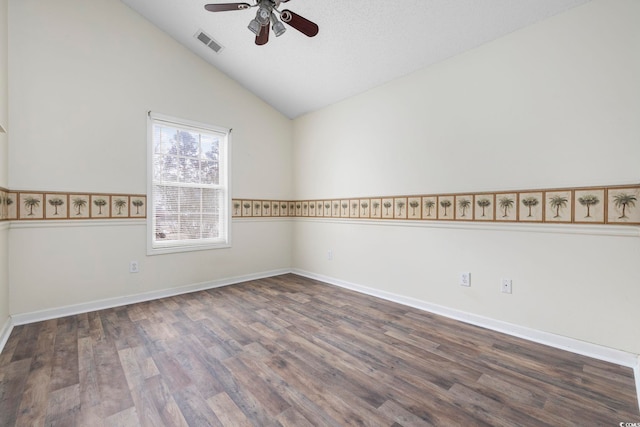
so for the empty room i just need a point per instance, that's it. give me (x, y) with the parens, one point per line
(303, 213)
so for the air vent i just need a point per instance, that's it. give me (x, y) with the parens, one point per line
(208, 41)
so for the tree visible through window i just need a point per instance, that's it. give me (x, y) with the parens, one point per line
(189, 185)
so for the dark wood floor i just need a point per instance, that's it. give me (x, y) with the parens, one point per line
(295, 352)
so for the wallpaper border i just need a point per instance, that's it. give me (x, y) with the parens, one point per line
(613, 205)
(55, 206)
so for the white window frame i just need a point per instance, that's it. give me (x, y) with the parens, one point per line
(155, 247)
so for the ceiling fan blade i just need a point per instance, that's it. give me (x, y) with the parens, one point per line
(222, 7)
(301, 24)
(263, 36)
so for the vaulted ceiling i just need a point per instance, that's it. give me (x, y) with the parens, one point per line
(361, 43)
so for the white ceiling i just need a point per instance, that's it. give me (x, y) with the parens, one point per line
(361, 43)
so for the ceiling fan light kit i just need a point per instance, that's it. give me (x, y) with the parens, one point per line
(254, 26)
(278, 27)
(266, 14)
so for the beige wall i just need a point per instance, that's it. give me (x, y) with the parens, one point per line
(93, 262)
(82, 77)
(4, 165)
(553, 105)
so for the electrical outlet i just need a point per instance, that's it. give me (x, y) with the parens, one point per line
(330, 255)
(134, 267)
(505, 286)
(465, 279)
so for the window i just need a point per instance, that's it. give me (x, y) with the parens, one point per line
(188, 187)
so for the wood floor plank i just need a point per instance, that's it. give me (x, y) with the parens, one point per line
(292, 418)
(241, 396)
(270, 401)
(303, 404)
(510, 391)
(115, 395)
(26, 341)
(96, 331)
(343, 375)
(63, 406)
(174, 374)
(65, 358)
(164, 402)
(33, 406)
(90, 416)
(227, 411)
(317, 387)
(10, 346)
(126, 418)
(146, 411)
(195, 409)
(401, 416)
(12, 390)
(148, 367)
(188, 352)
(291, 351)
(223, 337)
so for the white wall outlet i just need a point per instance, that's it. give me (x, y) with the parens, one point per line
(330, 255)
(134, 267)
(505, 286)
(465, 279)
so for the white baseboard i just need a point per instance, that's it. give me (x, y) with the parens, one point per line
(5, 332)
(558, 341)
(37, 316)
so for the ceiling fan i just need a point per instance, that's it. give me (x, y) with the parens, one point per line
(267, 11)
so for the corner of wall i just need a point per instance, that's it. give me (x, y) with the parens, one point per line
(5, 331)
(4, 166)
